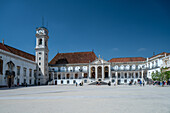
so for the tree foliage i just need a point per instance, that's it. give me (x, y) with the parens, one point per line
(161, 76)
(167, 75)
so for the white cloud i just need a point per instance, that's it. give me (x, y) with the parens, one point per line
(115, 49)
(141, 49)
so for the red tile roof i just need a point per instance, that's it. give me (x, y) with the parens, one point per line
(163, 53)
(17, 52)
(2, 46)
(128, 59)
(72, 58)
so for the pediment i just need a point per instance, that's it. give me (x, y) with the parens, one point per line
(99, 61)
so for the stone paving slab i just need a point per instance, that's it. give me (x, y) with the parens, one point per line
(86, 99)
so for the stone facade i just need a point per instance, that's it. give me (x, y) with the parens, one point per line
(18, 67)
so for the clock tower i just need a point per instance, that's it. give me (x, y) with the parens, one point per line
(41, 51)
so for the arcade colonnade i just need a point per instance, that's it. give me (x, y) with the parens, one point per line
(96, 73)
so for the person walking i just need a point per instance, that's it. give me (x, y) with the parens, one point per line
(140, 83)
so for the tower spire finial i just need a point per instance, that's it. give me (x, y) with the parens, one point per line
(42, 21)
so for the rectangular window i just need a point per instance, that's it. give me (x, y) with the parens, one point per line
(30, 72)
(30, 81)
(39, 58)
(1, 66)
(25, 70)
(35, 73)
(18, 70)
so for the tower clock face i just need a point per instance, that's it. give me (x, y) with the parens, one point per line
(40, 31)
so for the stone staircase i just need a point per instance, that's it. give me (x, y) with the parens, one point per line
(101, 83)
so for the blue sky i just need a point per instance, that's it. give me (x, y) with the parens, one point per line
(112, 28)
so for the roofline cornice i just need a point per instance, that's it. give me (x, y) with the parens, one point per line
(16, 56)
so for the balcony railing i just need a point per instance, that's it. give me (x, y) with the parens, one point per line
(85, 71)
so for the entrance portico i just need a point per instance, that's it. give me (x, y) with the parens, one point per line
(101, 69)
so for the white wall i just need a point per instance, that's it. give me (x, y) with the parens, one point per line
(18, 61)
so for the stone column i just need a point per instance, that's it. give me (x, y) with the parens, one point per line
(138, 74)
(109, 73)
(142, 76)
(73, 75)
(89, 71)
(53, 77)
(103, 72)
(82, 75)
(95, 72)
(134, 74)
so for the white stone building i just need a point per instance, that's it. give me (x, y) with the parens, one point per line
(18, 67)
(69, 68)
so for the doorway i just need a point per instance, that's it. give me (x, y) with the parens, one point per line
(99, 70)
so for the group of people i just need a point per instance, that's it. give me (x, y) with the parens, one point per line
(139, 82)
(161, 83)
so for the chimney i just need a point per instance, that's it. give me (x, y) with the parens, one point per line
(3, 41)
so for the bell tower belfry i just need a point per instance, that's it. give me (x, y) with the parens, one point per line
(41, 51)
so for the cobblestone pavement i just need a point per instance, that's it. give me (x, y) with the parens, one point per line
(86, 99)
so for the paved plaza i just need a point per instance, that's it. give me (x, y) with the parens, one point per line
(86, 99)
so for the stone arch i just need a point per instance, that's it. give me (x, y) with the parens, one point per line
(93, 72)
(106, 72)
(99, 72)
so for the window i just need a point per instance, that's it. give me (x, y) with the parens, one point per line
(25, 70)
(113, 75)
(39, 69)
(40, 53)
(68, 81)
(125, 75)
(40, 41)
(39, 75)
(39, 58)
(85, 75)
(68, 76)
(30, 72)
(55, 76)
(35, 72)
(93, 72)
(136, 75)
(106, 72)
(85, 81)
(76, 76)
(18, 70)
(1, 66)
(45, 43)
(118, 75)
(61, 82)
(130, 75)
(125, 81)
(59, 76)
(39, 63)
(30, 81)
(25, 81)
